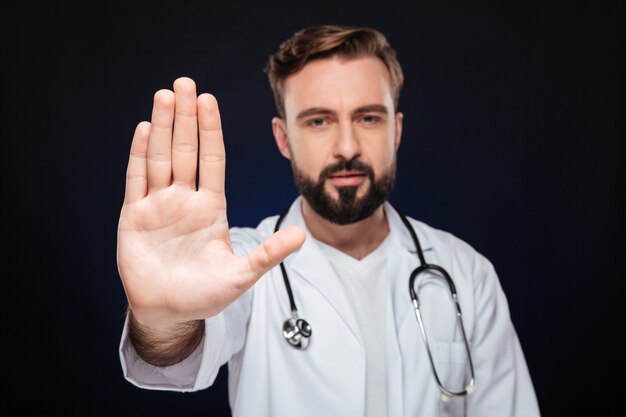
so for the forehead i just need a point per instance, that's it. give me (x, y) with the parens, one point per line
(338, 84)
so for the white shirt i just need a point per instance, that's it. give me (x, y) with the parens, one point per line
(267, 377)
(365, 283)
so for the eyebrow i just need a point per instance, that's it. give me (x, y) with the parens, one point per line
(372, 108)
(315, 111)
(322, 111)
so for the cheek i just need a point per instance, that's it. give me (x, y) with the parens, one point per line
(307, 161)
(382, 153)
(309, 155)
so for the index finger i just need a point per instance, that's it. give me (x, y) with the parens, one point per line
(212, 156)
(136, 175)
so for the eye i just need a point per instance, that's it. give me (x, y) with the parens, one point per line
(370, 119)
(317, 122)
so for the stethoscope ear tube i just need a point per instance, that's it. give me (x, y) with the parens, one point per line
(446, 393)
(424, 266)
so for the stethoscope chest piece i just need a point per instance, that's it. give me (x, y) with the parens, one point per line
(297, 332)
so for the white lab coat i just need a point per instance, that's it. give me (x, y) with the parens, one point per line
(267, 377)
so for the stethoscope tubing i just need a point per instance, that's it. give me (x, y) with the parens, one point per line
(300, 338)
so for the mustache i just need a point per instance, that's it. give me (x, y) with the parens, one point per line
(345, 165)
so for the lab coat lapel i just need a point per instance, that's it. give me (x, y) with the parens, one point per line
(405, 260)
(310, 264)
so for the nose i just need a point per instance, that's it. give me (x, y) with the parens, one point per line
(347, 145)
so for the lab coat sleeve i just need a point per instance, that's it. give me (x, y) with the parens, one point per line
(224, 336)
(503, 383)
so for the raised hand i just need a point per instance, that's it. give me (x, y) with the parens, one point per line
(174, 253)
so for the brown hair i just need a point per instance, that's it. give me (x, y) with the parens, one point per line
(324, 41)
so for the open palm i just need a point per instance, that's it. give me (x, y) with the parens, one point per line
(174, 253)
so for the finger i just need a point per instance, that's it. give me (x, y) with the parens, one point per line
(212, 155)
(185, 137)
(274, 250)
(159, 147)
(136, 174)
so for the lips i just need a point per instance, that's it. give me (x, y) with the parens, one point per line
(347, 178)
(347, 173)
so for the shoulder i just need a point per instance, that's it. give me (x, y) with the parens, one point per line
(439, 238)
(448, 248)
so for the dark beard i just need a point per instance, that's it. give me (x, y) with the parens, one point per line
(347, 209)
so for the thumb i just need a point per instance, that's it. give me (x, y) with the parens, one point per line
(275, 249)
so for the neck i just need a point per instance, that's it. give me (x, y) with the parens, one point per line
(357, 239)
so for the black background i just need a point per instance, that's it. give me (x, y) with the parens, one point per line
(513, 141)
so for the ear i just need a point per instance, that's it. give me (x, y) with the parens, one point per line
(399, 117)
(280, 136)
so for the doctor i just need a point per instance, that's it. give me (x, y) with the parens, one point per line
(202, 294)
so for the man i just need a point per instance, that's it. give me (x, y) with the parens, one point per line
(202, 294)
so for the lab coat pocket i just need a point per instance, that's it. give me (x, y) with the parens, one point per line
(452, 367)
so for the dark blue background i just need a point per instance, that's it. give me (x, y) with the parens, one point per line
(513, 141)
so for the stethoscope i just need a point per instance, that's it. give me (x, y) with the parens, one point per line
(297, 331)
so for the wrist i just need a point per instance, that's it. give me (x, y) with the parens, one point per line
(164, 344)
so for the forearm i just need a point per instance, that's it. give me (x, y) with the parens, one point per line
(161, 348)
